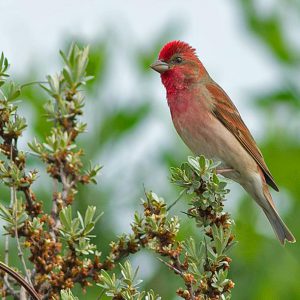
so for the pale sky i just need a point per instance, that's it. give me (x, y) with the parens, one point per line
(33, 31)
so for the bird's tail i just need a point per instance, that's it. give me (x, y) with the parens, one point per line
(279, 227)
(260, 192)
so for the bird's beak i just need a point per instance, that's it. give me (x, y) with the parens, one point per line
(160, 66)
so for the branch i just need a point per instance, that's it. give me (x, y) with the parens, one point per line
(203, 268)
(32, 292)
(20, 252)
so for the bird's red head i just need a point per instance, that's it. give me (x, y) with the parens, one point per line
(178, 65)
(176, 48)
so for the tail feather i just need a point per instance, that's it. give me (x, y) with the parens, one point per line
(279, 227)
(267, 204)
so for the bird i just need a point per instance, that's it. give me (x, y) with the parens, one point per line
(209, 124)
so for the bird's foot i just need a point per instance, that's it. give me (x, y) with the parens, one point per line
(222, 171)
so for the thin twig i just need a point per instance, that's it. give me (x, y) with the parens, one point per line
(189, 286)
(6, 251)
(66, 186)
(178, 198)
(20, 253)
(6, 247)
(179, 272)
(9, 288)
(33, 82)
(32, 292)
(27, 194)
(170, 266)
(23, 294)
(54, 211)
(14, 201)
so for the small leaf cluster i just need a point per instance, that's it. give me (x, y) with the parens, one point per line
(19, 213)
(154, 230)
(209, 262)
(66, 257)
(202, 266)
(67, 295)
(209, 266)
(79, 260)
(11, 124)
(60, 151)
(126, 287)
(76, 231)
(60, 246)
(3, 68)
(14, 217)
(12, 174)
(63, 88)
(198, 178)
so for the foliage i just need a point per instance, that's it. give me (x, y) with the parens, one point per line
(204, 267)
(76, 232)
(60, 245)
(54, 267)
(125, 288)
(113, 127)
(67, 295)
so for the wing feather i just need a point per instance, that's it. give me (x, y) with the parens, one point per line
(228, 115)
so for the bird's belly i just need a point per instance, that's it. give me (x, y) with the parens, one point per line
(209, 137)
(203, 140)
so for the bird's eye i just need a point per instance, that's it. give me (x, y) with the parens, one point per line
(178, 60)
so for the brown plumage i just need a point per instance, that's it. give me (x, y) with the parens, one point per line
(229, 116)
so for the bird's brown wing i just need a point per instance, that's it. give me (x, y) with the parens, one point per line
(228, 115)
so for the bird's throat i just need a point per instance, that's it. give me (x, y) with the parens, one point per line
(178, 102)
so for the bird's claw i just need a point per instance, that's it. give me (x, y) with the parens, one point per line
(222, 171)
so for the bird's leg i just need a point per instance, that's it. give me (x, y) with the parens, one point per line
(222, 171)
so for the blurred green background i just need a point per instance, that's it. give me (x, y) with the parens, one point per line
(130, 131)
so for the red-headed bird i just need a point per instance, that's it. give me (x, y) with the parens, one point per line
(210, 124)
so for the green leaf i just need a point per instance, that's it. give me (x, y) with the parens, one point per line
(65, 217)
(202, 162)
(67, 295)
(89, 214)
